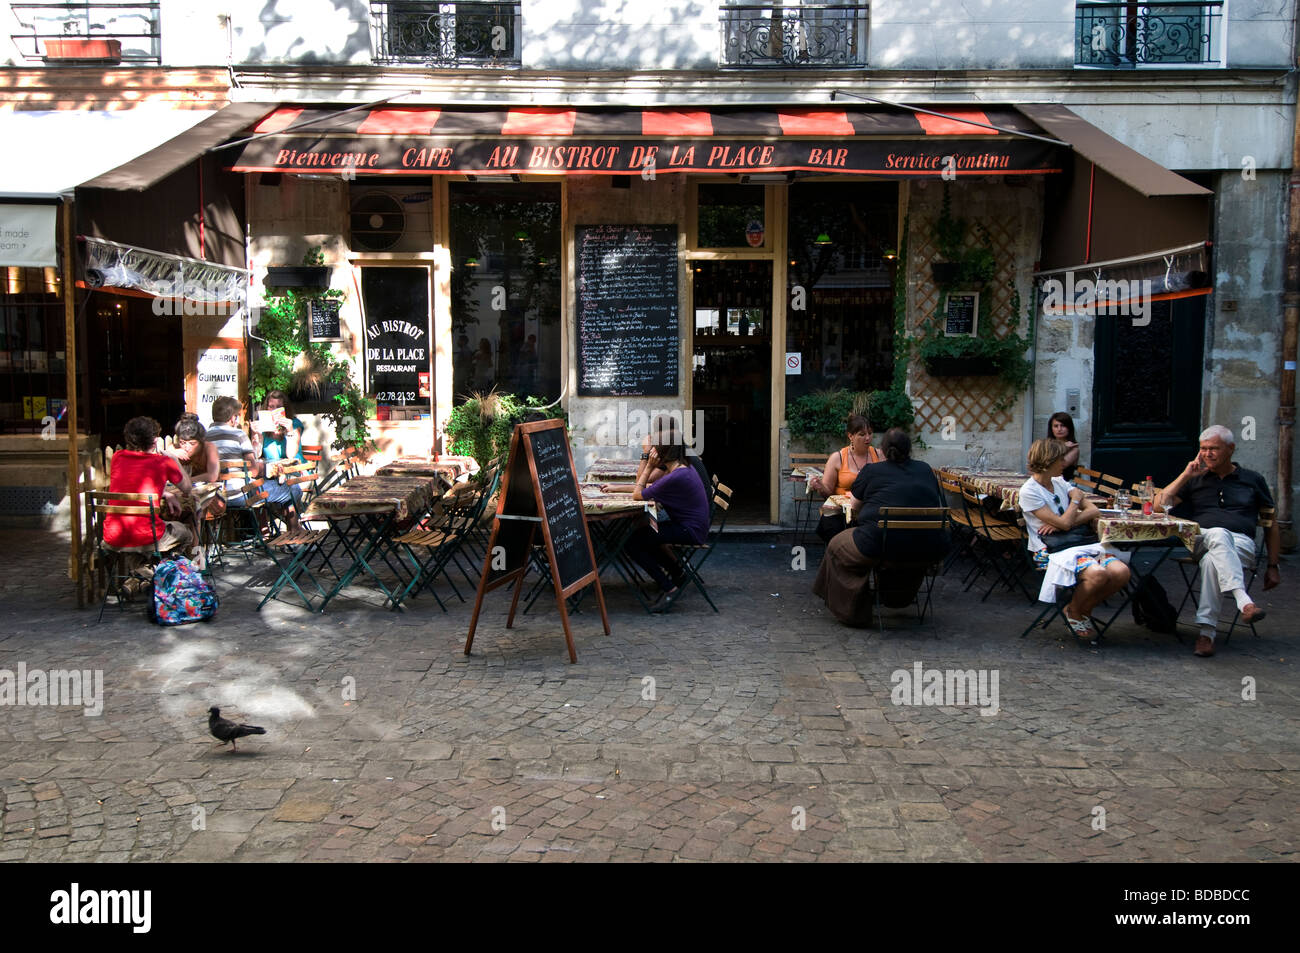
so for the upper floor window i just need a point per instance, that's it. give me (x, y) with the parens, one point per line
(446, 34)
(1127, 34)
(88, 32)
(791, 33)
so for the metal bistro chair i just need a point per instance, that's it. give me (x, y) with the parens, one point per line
(1190, 569)
(807, 503)
(902, 520)
(112, 562)
(239, 528)
(1098, 482)
(960, 521)
(692, 556)
(1003, 545)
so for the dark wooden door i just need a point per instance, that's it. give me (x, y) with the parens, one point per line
(1147, 393)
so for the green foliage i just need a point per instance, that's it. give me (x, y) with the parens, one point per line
(977, 267)
(481, 427)
(290, 361)
(819, 418)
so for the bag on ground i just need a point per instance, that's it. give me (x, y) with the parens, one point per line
(1152, 608)
(180, 594)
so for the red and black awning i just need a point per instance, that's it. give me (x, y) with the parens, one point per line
(591, 141)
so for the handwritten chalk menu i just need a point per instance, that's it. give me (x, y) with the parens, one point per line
(539, 489)
(561, 505)
(627, 310)
(325, 320)
(962, 311)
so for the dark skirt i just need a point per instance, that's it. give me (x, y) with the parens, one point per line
(844, 581)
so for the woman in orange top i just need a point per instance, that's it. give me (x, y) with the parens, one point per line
(843, 466)
(841, 470)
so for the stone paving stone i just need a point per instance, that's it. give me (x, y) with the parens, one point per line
(754, 717)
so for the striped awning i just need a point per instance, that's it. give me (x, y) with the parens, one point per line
(592, 141)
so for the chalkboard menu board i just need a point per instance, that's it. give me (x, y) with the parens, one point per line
(539, 489)
(628, 327)
(325, 320)
(961, 314)
(561, 505)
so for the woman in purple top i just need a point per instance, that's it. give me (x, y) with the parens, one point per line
(680, 492)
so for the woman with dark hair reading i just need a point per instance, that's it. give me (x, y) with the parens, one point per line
(843, 579)
(1060, 426)
(680, 492)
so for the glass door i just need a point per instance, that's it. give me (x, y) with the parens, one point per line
(732, 319)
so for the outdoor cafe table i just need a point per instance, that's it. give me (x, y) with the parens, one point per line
(1133, 530)
(448, 468)
(605, 470)
(362, 514)
(612, 518)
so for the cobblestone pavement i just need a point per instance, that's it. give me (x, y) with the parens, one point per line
(767, 733)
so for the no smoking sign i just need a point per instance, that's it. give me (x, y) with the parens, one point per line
(793, 362)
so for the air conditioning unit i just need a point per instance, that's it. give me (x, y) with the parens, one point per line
(397, 218)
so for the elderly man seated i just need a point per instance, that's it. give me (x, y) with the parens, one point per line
(1225, 499)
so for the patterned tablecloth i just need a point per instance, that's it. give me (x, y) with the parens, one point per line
(842, 501)
(205, 493)
(449, 468)
(1136, 528)
(605, 470)
(597, 502)
(404, 496)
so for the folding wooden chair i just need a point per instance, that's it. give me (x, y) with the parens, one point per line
(1190, 569)
(902, 520)
(1003, 546)
(239, 528)
(807, 502)
(299, 547)
(442, 538)
(113, 562)
(692, 556)
(960, 521)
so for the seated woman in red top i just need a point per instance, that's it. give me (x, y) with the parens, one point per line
(681, 493)
(140, 468)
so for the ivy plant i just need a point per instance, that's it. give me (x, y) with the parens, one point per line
(290, 361)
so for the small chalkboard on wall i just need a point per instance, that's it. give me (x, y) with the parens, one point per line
(325, 320)
(961, 314)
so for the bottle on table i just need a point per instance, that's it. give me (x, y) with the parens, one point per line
(1148, 496)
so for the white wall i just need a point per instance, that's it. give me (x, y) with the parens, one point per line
(972, 34)
(621, 34)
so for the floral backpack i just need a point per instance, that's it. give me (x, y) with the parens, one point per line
(180, 593)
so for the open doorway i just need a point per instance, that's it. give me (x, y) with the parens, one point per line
(731, 364)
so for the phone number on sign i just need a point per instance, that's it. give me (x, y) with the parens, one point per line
(396, 396)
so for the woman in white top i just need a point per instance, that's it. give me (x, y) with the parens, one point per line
(1050, 506)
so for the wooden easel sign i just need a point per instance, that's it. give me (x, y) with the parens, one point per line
(539, 490)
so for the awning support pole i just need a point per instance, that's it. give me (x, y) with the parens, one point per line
(1290, 323)
(69, 281)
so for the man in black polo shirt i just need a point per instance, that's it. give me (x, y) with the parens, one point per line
(1225, 499)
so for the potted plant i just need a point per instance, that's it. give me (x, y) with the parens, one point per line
(481, 427)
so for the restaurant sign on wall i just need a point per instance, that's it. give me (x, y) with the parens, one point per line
(887, 157)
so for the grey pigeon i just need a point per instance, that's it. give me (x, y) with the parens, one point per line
(227, 731)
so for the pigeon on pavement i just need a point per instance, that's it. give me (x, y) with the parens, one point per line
(227, 731)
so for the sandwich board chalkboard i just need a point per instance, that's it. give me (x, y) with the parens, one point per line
(539, 489)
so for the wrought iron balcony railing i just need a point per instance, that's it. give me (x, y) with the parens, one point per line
(125, 32)
(1129, 35)
(446, 34)
(782, 36)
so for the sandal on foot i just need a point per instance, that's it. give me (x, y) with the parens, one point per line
(1082, 628)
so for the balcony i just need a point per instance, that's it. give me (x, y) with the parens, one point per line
(1131, 35)
(775, 36)
(446, 35)
(76, 33)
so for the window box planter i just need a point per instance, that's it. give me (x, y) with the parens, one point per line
(946, 273)
(297, 276)
(961, 366)
(83, 48)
